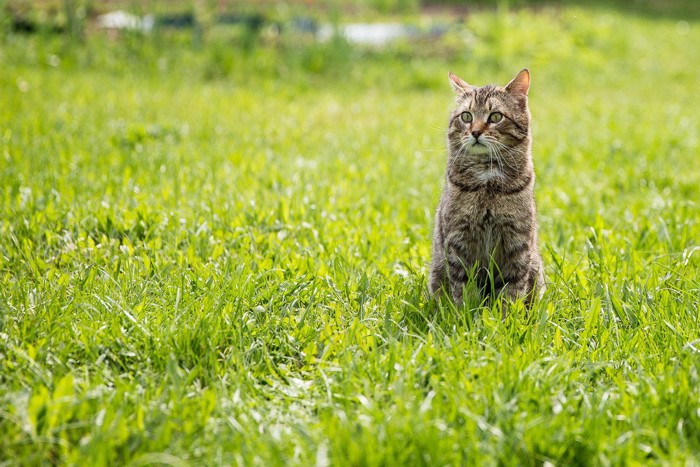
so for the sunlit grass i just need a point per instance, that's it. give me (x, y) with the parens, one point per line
(229, 266)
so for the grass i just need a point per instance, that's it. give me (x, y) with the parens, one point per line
(216, 256)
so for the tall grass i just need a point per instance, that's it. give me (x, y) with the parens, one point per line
(227, 265)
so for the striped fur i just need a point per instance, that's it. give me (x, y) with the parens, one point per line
(485, 224)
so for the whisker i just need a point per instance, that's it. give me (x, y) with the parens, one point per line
(506, 155)
(497, 153)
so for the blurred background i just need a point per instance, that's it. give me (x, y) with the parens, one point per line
(235, 38)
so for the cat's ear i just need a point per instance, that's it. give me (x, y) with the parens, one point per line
(458, 84)
(520, 84)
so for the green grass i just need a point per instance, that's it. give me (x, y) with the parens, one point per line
(213, 256)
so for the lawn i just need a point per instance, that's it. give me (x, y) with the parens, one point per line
(212, 254)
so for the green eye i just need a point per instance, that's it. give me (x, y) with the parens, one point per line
(466, 117)
(495, 117)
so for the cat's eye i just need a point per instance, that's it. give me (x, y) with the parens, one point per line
(495, 117)
(466, 117)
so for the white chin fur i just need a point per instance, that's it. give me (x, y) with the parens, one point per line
(478, 149)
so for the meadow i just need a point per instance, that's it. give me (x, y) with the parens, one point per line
(216, 254)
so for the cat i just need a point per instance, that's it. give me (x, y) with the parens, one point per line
(485, 222)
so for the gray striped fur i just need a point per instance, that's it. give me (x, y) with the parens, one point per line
(485, 224)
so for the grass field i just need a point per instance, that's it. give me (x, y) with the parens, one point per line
(218, 255)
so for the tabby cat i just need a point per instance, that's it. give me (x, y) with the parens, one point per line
(485, 224)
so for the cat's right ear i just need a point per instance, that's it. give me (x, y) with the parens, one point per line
(520, 84)
(458, 84)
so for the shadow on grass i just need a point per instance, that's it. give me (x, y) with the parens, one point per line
(483, 319)
(423, 313)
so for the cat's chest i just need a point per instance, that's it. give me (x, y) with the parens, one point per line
(477, 222)
(478, 211)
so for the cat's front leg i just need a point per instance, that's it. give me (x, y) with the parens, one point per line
(438, 275)
(457, 293)
(457, 274)
(529, 286)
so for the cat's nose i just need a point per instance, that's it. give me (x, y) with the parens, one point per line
(476, 134)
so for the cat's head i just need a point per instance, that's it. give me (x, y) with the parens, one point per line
(489, 121)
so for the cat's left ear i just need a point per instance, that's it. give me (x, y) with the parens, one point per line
(458, 84)
(520, 84)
